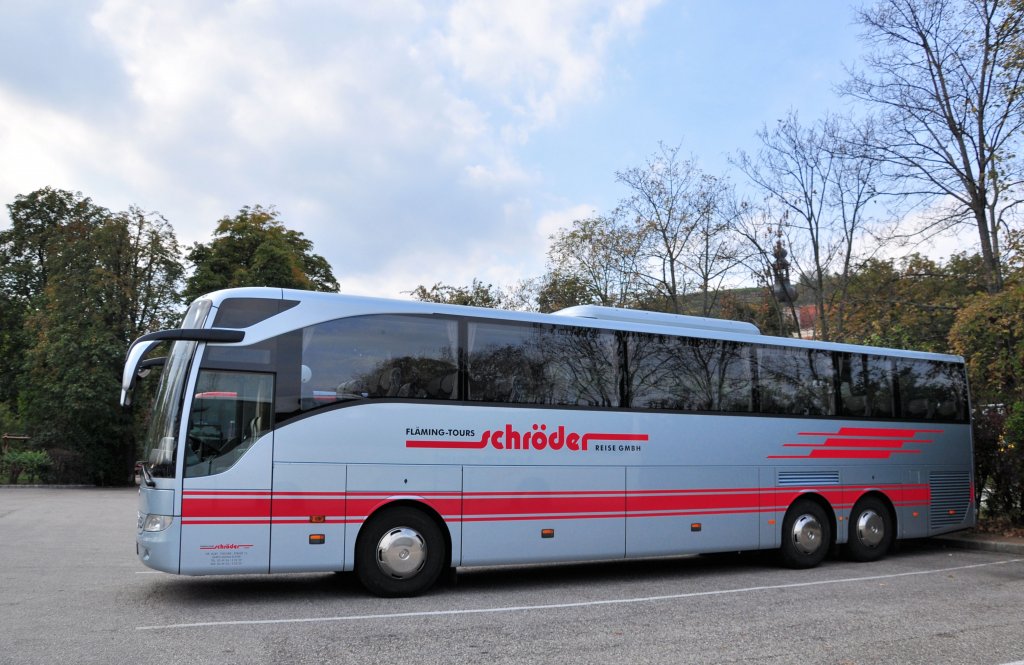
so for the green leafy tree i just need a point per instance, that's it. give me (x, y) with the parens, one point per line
(910, 303)
(477, 294)
(88, 282)
(38, 224)
(989, 333)
(559, 290)
(254, 248)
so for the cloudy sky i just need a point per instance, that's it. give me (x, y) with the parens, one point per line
(413, 141)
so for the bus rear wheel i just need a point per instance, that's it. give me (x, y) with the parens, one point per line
(871, 530)
(806, 535)
(399, 553)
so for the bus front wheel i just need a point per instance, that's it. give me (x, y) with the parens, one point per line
(399, 553)
(806, 535)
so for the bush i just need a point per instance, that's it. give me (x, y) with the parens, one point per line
(31, 463)
(1007, 479)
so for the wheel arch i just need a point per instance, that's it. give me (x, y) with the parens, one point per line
(886, 501)
(423, 507)
(825, 505)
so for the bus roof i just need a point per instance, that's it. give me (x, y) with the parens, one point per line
(317, 307)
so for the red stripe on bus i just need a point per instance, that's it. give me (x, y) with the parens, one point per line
(875, 431)
(456, 445)
(552, 505)
(690, 502)
(858, 443)
(231, 507)
(298, 507)
(213, 507)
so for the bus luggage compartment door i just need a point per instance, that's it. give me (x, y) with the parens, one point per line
(524, 514)
(308, 517)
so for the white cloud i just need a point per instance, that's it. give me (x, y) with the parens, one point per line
(536, 57)
(384, 131)
(557, 220)
(41, 146)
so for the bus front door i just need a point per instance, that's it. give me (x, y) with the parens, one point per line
(226, 490)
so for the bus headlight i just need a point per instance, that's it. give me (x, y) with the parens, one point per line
(157, 522)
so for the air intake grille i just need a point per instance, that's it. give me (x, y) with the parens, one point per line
(951, 497)
(807, 478)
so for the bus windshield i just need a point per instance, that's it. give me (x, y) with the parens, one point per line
(161, 439)
(162, 435)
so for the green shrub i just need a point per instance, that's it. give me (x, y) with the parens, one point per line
(30, 463)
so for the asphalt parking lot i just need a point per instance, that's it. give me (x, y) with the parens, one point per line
(72, 591)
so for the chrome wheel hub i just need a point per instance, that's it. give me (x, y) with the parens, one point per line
(806, 534)
(401, 552)
(870, 528)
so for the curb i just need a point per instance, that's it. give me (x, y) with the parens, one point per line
(984, 543)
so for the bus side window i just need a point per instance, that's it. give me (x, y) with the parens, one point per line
(797, 381)
(379, 356)
(505, 363)
(866, 386)
(230, 411)
(931, 390)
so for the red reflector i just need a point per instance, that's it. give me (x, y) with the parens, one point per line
(317, 539)
(317, 519)
(952, 512)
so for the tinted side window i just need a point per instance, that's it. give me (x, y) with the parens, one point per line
(795, 381)
(717, 375)
(651, 373)
(687, 374)
(369, 357)
(866, 386)
(931, 390)
(537, 364)
(244, 312)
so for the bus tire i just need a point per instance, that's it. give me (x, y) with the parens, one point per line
(806, 535)
(399, 553)
(871, 530)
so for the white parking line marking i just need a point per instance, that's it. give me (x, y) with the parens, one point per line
(558, 606)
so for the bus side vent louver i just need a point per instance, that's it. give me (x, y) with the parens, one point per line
(951, 498)
(807, 478)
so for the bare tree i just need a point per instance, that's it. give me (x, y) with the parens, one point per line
(823, 190)
(760, 233)
(714, 251)
(937, 74)
(676, 209)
